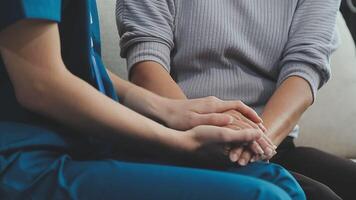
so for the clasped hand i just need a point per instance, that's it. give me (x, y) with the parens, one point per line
(235, 115)
(261, 149)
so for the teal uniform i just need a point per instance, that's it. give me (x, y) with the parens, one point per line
(40, 159)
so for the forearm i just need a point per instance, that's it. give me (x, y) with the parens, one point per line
(285, 108)
(137, 98)
(155, 81)
(154, 77)
(48, 88)
(32, 56)
(141, 100)
(93, 112)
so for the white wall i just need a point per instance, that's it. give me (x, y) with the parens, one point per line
(110, 38)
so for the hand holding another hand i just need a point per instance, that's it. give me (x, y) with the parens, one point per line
(208, 143)
(233, 115)
(187, 114)
(261, 149)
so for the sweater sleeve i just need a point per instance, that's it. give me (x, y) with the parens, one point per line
(312, 39)
(146, 30)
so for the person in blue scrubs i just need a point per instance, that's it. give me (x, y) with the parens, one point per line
(64, 135)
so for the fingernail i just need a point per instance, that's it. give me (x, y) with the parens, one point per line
(260, 150)
(231, 120)
(233, 157)
(242, 162)
(253, 160)
(269, 152)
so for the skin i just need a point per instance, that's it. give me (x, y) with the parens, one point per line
(280, 115)
(152, 76)
(32, 56)
(283, 111)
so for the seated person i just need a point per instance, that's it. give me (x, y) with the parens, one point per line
(272, 55)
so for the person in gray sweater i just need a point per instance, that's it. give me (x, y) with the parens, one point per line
(272, 55)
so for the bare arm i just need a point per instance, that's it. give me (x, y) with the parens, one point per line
(281, 114)
(285, 107)
(184, 114)
(305, 65)
(154, 77)
(31, 53)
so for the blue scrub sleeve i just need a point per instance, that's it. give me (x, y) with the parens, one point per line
(12, 11)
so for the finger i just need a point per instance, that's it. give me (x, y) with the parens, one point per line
(267, 148)
(225, 135)
(254, 158)
(248, 112)
(215, 105)
(245, 157)
(240, 117)
(240, 136)
(213, 119)
(235, 154)
(268, 157)
(240, 124)
(234, 127)
(256, 148)
(240, 120)
(211, 105)
(265, 158)
(262, 127)
(269, 141)
(249, 122)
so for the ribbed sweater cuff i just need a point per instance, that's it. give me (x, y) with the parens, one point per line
(149, 51)
(303, 70)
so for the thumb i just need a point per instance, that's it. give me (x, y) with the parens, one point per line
(244, 135)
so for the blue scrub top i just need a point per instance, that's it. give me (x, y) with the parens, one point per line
(81, 52)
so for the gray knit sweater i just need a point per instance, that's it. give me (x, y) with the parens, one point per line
(232, 49)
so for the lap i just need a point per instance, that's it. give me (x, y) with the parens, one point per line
(51, 175)
(318, 164)
(315, 190)
(339, 174)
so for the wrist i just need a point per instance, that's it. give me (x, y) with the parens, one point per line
(178, 141)
(274, 134)
(150, 105)
(162, 109)
(275, 138)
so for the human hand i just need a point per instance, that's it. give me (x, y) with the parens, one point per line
(186, 114)
(210, 143)
(263, 148)
(244, 155)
